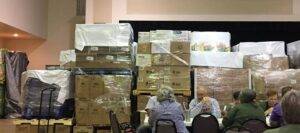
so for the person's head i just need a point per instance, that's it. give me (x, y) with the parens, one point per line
(165, 93)
(285, 89)
(201, 92)
(247, 96)
(236, 97)
(272, 98)
(290, 105)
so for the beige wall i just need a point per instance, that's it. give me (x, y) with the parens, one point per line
(60, 35)
(27, 15)
(201, 10)
(1, 43)
(101, 10)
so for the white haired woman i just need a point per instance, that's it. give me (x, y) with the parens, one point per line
(290, 105)
(168, 108)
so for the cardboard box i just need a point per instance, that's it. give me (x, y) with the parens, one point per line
(103, 61)
(170, 59)
(82, 112)
(154, 84)
(180, 47)
(144, 48)
(83, 129)
(176, 71)
(264, 61)
(143, 60)
(105, 50)
(27, 128)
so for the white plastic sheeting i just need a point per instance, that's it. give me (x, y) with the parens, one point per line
(276, 48)
(293, 50)
(59, 77)
(210, 41)
(217, 59)
(103, 35)
(67, 56)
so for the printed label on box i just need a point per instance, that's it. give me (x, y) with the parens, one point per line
(90, 58)
(94, 49)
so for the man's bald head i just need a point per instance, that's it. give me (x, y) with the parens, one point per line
(201, 92)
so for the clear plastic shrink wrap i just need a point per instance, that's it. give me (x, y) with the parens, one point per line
(32, 84)
(221, 83)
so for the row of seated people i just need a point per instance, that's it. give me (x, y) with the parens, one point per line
(244, 107)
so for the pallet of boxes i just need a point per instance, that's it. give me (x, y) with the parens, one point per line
(163, 58)
(215, 68)
(103, 75)
(269, 66)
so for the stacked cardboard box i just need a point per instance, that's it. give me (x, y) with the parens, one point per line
(163, 57)
(265, 61)
(221, 82)
(27, 128)
(263, 81)
(96, 95)
(210, 41)
(104, 46)
(293, 50)
(2, 81)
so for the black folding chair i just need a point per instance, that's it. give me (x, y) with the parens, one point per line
(165, 126)
(255, 125)
(115, 126)
(206, 123)
(236, 129)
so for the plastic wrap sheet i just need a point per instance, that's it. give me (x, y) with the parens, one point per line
(264, 81)
(67, 58)
(293, 50)
(210, 41)
(60, 78)
(217, 59)
(151, 78)
(221, 83)
(143, 37)
(96, 95)
(2, 98)
(275, 48)
(265, 61)
(103, 35)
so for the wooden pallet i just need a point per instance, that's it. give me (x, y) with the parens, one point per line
(153, 92)
(67, 122)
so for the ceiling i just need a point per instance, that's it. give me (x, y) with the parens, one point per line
(9, 32)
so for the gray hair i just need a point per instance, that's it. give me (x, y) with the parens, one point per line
(291, 107)
(165, 93)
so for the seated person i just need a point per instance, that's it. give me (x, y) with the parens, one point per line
(168, 108)
(230, 106)
(291, 113)
(247, 109)
(152, 102)
(204, 104)
(276, 119)
(272, 99)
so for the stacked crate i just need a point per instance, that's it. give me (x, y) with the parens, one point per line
(163, 58)
(103, 80)
(2, 81)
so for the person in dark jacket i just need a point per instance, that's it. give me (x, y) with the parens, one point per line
(291, 113)
(246, 110)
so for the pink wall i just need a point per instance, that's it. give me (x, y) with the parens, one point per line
(1, 43)
(60, 35)
(26, 15)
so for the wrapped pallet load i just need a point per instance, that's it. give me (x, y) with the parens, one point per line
(96, 95)
(221, 83)
(266, 61)
(32, 85)
(293, 51)
(264, 81)
(104, 46)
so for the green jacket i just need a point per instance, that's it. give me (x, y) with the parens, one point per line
(285, 129)
(242, 113)
(264, 105)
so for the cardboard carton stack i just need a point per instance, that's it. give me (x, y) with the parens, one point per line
(163, 58)
(221, 83)
(104, 46)
(267, 61)
(293, 50)
(96, 95)
(263, 81)
(104, 53)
